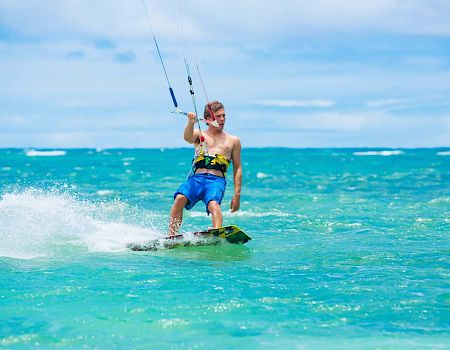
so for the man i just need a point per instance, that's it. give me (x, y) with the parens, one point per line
(215, 149)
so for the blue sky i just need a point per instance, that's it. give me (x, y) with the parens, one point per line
(78, 73)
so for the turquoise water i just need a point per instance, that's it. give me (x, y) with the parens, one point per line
(350, 250)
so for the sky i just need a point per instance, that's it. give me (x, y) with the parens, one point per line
(324, 73)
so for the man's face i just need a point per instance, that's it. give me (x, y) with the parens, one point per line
(220, 119)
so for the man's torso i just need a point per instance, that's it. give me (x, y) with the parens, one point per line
(218, 144)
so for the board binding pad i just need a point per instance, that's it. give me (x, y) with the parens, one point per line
(231, 234)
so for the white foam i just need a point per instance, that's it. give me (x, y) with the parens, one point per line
(105, 192)
(444, 153)
(439, 200)
(114, 236)
(34, 153)
(35, 223)
(261, 175)
(378, 153)
(423, 220)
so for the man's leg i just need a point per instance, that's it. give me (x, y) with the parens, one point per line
(176, 214)
(216, 213)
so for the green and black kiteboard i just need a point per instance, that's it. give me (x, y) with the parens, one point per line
(231, 234)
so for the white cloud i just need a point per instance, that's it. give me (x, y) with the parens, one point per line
(345, 122)
(388, 102)
(219, 20)
(320, 103)
(340, 121)
(411, 103)
(103, 18)
(337, 129)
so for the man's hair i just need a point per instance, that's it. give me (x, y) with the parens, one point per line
(214, 106)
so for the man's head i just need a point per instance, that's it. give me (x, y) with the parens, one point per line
(215, 111)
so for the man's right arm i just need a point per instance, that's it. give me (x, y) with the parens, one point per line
(190, 135)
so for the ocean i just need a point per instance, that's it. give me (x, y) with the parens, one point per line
(350, 250)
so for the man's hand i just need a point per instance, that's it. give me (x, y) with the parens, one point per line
(235, 203)
(191, 117)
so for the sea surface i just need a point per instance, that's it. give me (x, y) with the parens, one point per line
(350, 250)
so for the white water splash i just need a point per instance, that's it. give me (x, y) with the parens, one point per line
(35, 223)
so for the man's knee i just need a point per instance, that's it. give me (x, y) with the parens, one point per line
(181, 199)
(213, 206)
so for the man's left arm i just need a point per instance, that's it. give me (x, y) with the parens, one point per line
(237, 176)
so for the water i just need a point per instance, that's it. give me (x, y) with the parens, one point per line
(350, 250)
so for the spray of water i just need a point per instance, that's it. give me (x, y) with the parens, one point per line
(36, 223)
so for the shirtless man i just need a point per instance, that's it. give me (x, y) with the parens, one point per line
(207, 183)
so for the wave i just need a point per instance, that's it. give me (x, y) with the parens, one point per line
(34, 153)
(34, 223)
(250, 214)
(378, 153)
(444, 153)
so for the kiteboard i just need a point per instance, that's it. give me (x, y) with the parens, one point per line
(231, 234)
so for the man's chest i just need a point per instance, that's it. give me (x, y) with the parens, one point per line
(220, 145)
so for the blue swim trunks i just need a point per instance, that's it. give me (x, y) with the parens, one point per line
(202, 187)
